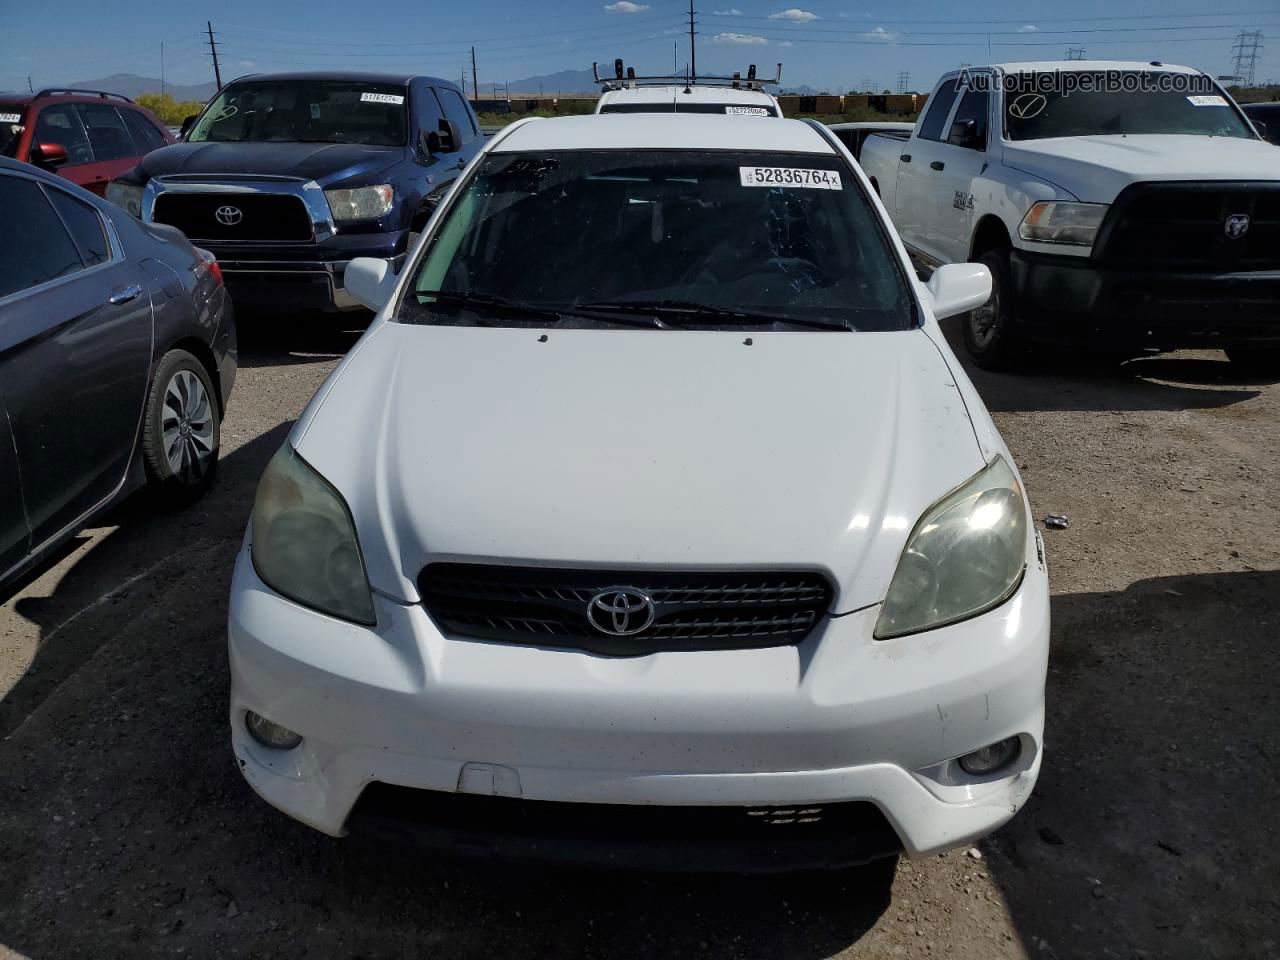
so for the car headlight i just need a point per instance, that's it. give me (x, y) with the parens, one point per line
(127, 196)
(965, 556)
(362, 203)
(1052, 221)
(304, 542)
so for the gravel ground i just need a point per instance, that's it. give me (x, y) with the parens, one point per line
(125, 829)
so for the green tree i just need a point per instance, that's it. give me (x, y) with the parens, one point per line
(170, 111)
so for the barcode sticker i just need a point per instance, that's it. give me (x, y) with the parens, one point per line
(381, 98)
(747, 111)
(10, 118)
(790, 177)
(1207, 101)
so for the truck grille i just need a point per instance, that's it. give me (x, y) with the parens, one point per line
(264, 217)
(652, 610)
(1185, 225)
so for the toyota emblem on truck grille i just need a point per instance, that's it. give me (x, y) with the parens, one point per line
(228, 215)
(621, 611)
(1236, 226)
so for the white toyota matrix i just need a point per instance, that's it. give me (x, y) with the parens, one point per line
(652, 522)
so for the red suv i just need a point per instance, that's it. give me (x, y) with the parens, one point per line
(88, 136)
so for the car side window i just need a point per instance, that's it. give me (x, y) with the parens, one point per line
(935, 115)
(85, 224)
(107, 133)
(428, 109)
(42, 250)
(61, 124)
(457, 111)
(145, 136)
(974, 106)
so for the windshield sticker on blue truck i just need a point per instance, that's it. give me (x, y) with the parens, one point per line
(747, 111)
(382, 98)
(790, 177)
(1203, 101)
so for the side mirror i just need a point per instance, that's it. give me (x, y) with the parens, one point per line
(1261, 128)
(50, 155)
(964, 133)
(187, 124)
(370, 281)
(447, 137)
(957, 288)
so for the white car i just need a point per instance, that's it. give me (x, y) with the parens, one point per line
(1120, 205)
(652, 521)
(730, 96)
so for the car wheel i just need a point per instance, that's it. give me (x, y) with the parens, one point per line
(1262, 361)
(181, 430)
(989, 333)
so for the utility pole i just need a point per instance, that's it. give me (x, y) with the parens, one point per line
(904, 81)
(162, 71)
(1245, 52)
(213, 50)
(29, 86)
(475, 84)
(693, 52)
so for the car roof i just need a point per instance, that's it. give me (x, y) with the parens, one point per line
(1034, 66)
(696, 94)
(873, 125)
(356, 76)
(664, 131)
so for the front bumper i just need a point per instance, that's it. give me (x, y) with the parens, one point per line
(1077, 299)
(840, 718)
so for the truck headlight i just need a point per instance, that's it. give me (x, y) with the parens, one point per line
(1052, 221)
(127, 196)
(965, 556)
(362, 203)
(304, 542)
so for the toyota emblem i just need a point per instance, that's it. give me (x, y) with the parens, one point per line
(228, 215)
(621, 611)
(1236, 226)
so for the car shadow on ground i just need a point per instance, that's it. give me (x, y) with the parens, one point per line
(1073, 379)
(277, 338)
(1152, 832)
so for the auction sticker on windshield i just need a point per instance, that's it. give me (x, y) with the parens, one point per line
(1207, 101)
(747, 111)
(790, 177)
(10, 118)
(381, 98)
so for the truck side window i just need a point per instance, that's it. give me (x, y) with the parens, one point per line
(973, 106)
(935, 116)
(457, 111)
(428, 109)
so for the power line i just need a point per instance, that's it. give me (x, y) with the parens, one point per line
(859, 31)
(1075, 53)
(1154, 16)
(320, 41)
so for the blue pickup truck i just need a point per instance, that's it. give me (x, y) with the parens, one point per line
(288, 177)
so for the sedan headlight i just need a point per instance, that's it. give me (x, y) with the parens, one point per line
(362, 203)
(304, 542)
(127, 196)
(965, 556)
(1075, 224)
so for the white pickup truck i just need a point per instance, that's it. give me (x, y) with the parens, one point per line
(1120, 205)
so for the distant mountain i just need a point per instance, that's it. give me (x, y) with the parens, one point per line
(804, 90)
(130, 85)
(551, 84)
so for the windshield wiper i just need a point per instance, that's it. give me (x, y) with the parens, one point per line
(485, 303)
(688, 312)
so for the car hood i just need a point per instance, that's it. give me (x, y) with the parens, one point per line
(636, 448)
(325, 163)
(1096, 169)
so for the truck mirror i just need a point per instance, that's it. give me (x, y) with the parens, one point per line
(964, 133)
(187, 124)
(447, 137)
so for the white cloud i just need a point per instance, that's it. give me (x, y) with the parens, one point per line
(795, 14)
(786, 43)
(731, 12)
(246, 63)
(880, 33)
(626, 6)
(743, 39)
(1029, 28)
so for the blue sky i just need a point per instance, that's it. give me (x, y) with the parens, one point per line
(826, 43)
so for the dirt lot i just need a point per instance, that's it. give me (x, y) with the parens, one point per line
(125, 829)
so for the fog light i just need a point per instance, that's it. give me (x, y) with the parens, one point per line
(270, 734)
(988, 760)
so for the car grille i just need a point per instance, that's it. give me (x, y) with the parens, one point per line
(750, 839)
(691, 610)
(264, 218)
(1184, 225)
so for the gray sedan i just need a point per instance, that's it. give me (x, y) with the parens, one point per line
(117, 356)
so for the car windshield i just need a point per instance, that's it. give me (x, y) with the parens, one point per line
(1119, 102)
(738, 109)
(306, 111)
(10, 129)
(664, 238)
